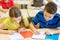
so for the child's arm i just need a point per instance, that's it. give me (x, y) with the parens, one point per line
(2, 26)
(33, 28)
(57, 31)
(52, 31)
(6, 31)
(3, 31)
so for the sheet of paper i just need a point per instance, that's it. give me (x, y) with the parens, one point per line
(41, 36)
(48, 39)
(16, 36)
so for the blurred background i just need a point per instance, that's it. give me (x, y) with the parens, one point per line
(29, 8)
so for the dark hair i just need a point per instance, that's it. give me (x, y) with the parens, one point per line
(51, 7)
(14, 12)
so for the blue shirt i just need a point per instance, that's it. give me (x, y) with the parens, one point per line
(53, 23)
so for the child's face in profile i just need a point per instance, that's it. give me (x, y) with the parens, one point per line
(48, 16)
(18, 19)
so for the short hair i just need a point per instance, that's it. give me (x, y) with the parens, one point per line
(51, 7)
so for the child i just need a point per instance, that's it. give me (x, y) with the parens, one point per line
(14, 21)
(47, 18)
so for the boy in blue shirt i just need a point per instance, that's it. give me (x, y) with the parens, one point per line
(47, 18)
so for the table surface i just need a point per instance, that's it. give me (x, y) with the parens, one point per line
(6, 37)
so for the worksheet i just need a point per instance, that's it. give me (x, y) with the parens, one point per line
(16, 36)
(37, 36)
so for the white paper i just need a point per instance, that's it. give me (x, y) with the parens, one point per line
(41, 36)
(48, 39)
(59, 37)
(16, 36)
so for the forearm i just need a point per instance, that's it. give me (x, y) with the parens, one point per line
(57, 32)
(4, 31)
(2, 26)
(32, 27)
(53, 31)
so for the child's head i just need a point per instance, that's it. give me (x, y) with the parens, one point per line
(49, 10)
(15, 14)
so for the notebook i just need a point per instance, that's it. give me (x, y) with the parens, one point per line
(52, 37)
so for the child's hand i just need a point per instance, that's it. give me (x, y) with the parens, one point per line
(21, 29)
(49, 33)
(36, 32)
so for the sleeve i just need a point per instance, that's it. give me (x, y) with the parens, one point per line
(58, 25)
(6, 23)
(35, 20)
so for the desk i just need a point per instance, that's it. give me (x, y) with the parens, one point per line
(6, 37)
(53, 36)
(38, 39)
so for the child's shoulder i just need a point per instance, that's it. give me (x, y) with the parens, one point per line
(7, 20)
(41, 12)
(57, 15)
